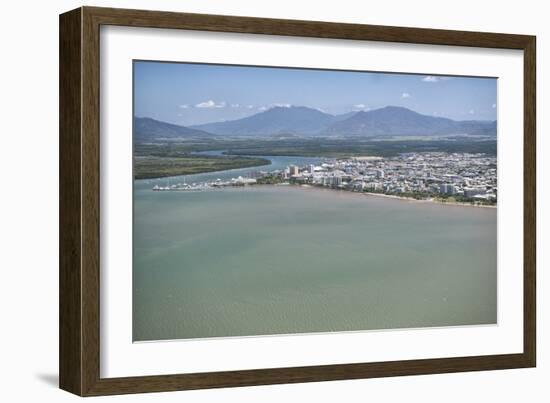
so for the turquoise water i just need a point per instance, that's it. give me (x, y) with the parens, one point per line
(283, 259)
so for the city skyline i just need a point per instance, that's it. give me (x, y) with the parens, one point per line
(468, 178)
(190, 94)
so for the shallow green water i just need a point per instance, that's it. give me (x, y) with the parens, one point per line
(277, 260)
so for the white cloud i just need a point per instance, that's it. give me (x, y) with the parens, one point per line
(270, 106)
(435, 79)
(210, 104)
(206, 104)
(405, 95)
(430, 79)
(361, 107)
(184, 106)
(494, 106)
(471, 112)
(235, 105)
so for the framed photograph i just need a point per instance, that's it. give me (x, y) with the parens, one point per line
(249, 201)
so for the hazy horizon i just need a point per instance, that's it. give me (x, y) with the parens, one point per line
(305, 106)
(190, 94)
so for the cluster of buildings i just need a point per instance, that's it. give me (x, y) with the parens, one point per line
(464, 176)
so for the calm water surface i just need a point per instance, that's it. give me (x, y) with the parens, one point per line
(284, 259)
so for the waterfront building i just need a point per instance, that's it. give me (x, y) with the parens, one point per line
(474, 191)
(447, 188)
(336, 181)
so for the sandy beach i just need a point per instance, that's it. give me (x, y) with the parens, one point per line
(409, 199)
(427, 200)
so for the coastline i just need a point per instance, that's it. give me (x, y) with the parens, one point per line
(434, 201)
(382, 195)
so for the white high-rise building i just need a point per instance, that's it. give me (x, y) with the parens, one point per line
(447, 188)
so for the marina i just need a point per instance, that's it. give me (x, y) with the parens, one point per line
(217, 184)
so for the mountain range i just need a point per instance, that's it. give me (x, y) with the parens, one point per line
(277, 120)
(147, 129)
(304, 121)
(398, 121)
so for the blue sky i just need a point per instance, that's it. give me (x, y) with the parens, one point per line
(189, 94)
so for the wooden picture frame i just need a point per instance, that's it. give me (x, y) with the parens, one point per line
(80, 186)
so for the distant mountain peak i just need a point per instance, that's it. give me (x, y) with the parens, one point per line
(287, 106)
(400, 121)
(284, 108)
(278, 119)
(393, 108)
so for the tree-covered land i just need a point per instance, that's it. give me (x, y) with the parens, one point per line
(147, 167)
